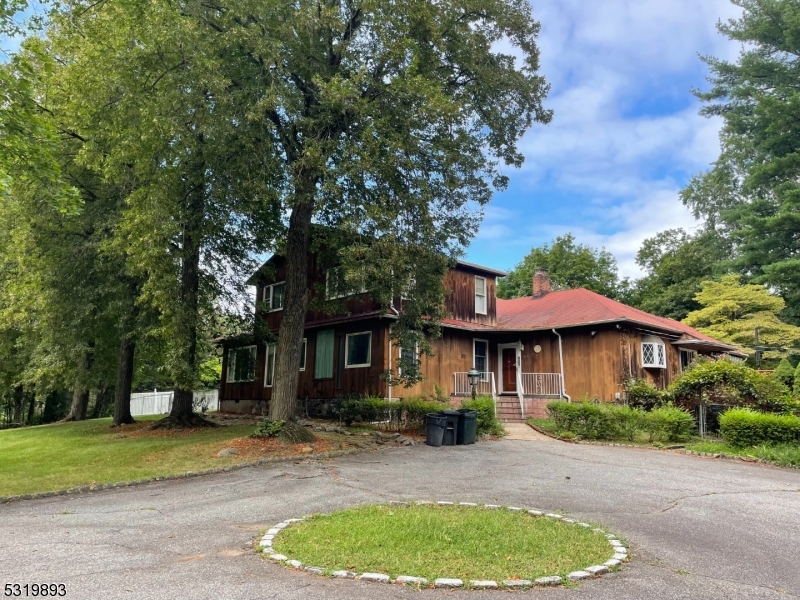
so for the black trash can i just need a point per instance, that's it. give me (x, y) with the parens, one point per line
(451, 428)
(467, 426)
(435, 425)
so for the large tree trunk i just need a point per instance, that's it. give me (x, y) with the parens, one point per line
(290, 334)
(80, 393)
(122, 392)
(181, 414)
(19, 401)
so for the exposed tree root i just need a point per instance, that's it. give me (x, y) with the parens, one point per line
(292, 433)
(193, 421)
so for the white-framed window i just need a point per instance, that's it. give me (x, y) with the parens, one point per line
(269, 365)
(337, 287)
(687, 358)
(405, 293)
(480, 295)
(409, 356)
(654, 353)
(303, 355)
(358, 350)
(480, 357)
(274, 296)
(241, 364)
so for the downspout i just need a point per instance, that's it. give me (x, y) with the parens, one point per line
(561, 366)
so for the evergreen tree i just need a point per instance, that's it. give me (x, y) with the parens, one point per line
(784, 373)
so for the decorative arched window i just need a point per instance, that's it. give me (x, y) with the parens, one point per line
(654, 353)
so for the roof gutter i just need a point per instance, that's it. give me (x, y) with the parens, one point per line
(561, 366)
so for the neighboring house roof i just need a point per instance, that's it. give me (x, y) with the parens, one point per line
(572, 308)
(480, 268)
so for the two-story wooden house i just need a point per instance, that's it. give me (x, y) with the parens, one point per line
(551, 344)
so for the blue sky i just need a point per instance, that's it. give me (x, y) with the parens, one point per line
(626, 135)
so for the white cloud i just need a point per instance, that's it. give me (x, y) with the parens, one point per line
(626, 135)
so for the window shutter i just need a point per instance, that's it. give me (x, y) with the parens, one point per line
(323, 357)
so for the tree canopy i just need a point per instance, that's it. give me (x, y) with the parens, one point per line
(732, 311)
(752, 192)
(570, 266)
(675, 263)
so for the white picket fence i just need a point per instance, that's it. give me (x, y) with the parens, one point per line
(160, 403)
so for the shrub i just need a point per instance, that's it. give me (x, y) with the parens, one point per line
(584, 419)
(744, 427)
(487, 423)
(352, 410)
(784, 373)
(796, 386)
(410, 413)
(731, 383)
(268, 428)
(669, 424)
(642, 394)
(629, 421)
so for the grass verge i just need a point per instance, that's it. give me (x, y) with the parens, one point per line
(443, 541)
(65, 455)
(782, 455)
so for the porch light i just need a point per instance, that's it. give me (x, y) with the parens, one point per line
(474, 375)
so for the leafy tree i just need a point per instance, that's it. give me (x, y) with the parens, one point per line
(570, 266)
(784, 373)
(752, 192)
(796, 383)
(387, 120)
(162, 114)
(676, 263)
(731, 312)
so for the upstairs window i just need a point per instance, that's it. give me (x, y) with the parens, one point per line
(274, 296)
(480, 295)
(337, 287)
(241, 364)
(654, 353)
(358, 350)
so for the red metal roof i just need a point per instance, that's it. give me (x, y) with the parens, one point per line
(569, 308)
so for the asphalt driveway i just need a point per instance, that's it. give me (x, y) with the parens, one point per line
(697, 528)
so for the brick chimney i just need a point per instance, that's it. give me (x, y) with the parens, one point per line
(541, 283)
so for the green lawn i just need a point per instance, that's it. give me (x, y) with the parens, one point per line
(443, 541)
(64, 455)
(783, 455)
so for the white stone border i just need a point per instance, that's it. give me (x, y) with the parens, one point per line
(620, 556)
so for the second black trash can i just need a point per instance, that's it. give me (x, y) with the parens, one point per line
(467, 426)
(451, 429)
(435, 424)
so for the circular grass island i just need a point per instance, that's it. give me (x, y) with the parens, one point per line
(445, 545)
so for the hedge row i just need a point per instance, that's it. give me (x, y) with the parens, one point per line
(410, 413)
(743, 427)
(604, 422)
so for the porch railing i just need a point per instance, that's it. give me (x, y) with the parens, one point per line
(486, 385)
(541, 384)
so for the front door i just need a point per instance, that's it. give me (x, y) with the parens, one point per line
(510, 370)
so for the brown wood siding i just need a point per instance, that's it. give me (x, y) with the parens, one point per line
(345, 306)
(460, 299)
(452, 353)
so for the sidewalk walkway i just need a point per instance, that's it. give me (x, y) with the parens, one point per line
(521, 431)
